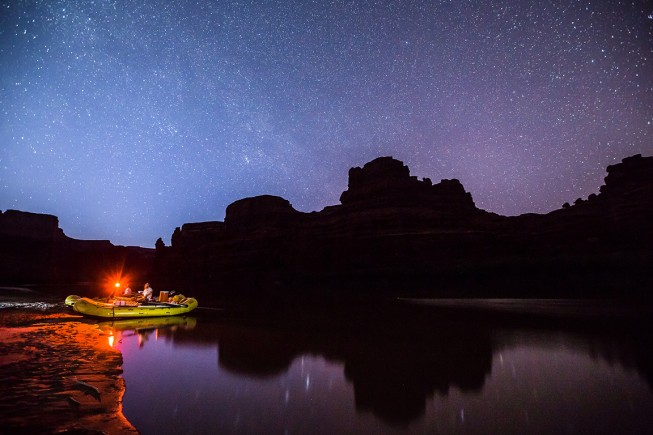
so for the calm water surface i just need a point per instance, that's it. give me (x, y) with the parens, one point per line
(398, 372)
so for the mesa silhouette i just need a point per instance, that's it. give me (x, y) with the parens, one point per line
(35, 252)
(392, 234)
(396, 235)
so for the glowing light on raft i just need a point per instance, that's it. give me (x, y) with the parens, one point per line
(114, 280)
(111, 339)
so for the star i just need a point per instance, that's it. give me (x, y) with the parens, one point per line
(171, 113)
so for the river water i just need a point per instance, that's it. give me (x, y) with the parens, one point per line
(442, 368)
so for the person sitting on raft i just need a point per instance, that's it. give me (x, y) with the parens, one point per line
(147, 292)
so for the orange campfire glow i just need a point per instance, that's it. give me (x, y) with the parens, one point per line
(115, 281)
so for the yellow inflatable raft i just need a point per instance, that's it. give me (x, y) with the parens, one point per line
(120, 308)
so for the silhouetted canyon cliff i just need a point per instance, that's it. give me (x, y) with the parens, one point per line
(395, 234)
(392, 234)
(34, 251)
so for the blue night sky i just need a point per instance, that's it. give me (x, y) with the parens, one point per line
(127, 119)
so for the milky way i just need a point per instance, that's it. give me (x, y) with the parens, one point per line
(128, 119)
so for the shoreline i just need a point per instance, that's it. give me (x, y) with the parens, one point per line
(59, 373)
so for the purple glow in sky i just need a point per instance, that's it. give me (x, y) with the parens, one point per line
(128, 119)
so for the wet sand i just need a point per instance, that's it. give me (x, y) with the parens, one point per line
(59, 374)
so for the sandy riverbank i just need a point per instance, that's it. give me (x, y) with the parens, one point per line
(59, 373)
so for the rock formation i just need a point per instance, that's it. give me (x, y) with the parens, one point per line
(394, 234)
(387, 182)
(30, 225)
(34, 251)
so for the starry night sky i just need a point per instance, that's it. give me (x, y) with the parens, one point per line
(127, 119)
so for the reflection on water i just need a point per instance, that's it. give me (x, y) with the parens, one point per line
(413, 372)
(143, 328)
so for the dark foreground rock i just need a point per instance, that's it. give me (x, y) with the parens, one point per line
(394, 234)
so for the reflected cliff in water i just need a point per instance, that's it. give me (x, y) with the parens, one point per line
(410, 369)
(393, 372)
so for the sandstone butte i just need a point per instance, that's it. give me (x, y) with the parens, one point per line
(392, 234)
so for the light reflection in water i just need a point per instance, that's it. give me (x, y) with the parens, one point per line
(230, 378)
